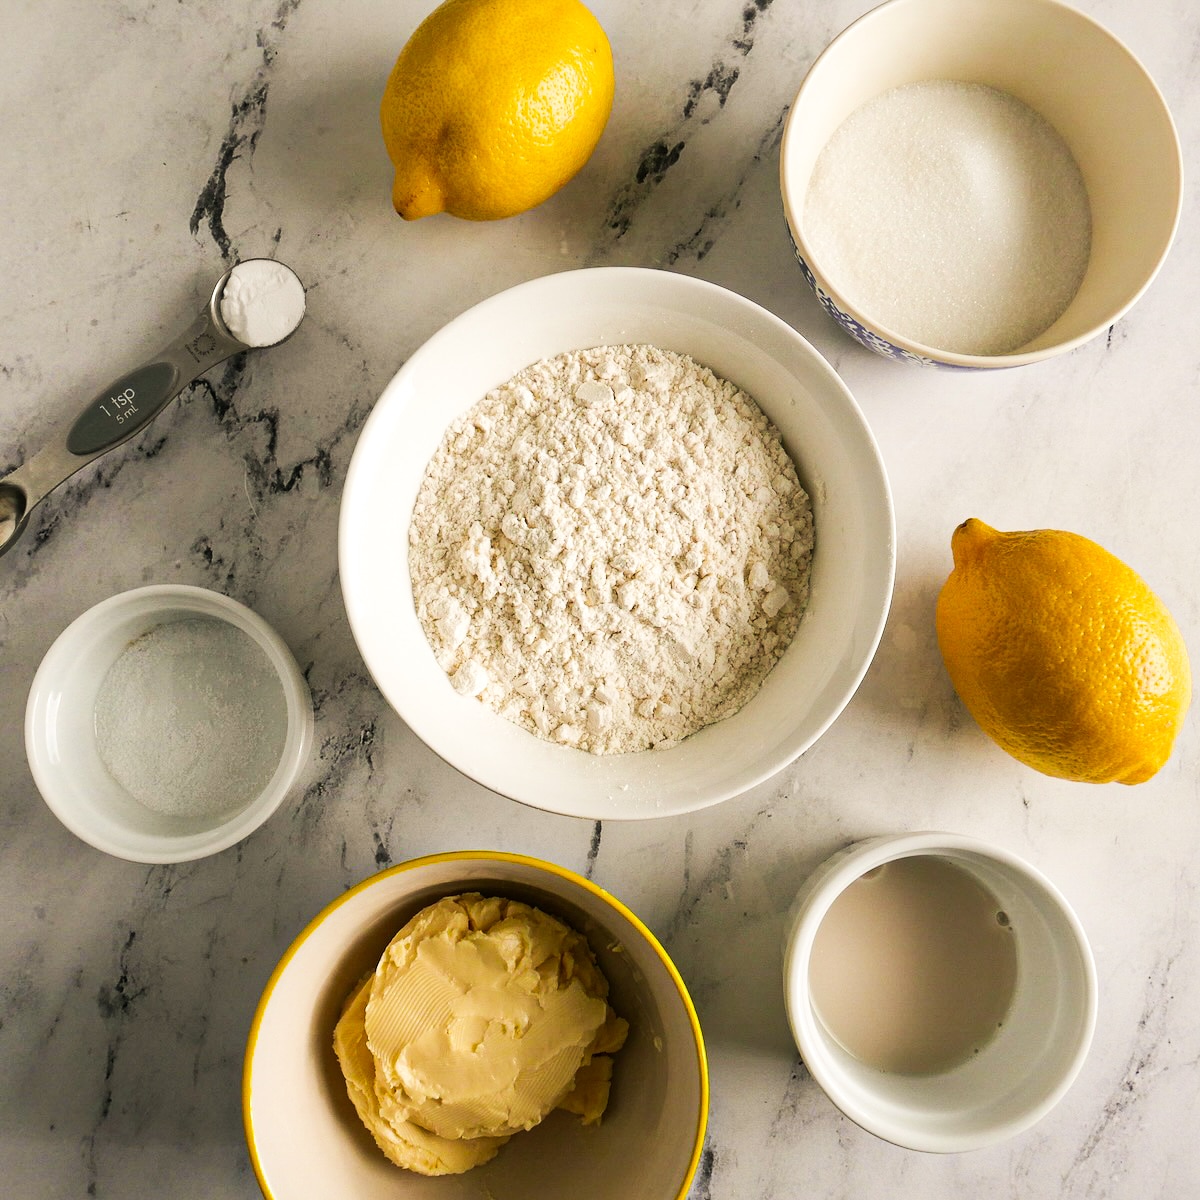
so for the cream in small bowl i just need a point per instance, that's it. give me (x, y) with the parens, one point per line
(940, 990)
(979, 183)
(167, 723)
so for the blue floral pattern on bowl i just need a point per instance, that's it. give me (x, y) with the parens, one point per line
(868, 337)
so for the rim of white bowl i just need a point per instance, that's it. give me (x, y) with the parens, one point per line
(794, 206)
(298, 738)
(352, 561)
(500, 856)
(808, 910)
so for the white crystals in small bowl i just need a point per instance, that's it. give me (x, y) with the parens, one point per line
(167, 723)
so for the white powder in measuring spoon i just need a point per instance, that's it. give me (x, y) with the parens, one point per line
(612, 549)
(191, 719)
(953, 214)
(262, 302)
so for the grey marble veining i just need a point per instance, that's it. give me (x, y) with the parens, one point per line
(145, 146)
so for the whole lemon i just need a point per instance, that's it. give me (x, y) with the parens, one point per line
(1062, 653)
(493, 105)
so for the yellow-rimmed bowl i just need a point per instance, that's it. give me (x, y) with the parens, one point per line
(304, 1137)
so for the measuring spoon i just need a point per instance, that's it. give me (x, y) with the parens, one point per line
(121, 410)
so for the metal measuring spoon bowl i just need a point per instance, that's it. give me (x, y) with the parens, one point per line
(13, 514)
(130, 403)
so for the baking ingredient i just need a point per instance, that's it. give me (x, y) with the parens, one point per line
(611, 549)
(191, 719)
(914, 966)
(482, 1016)
(262, 302)
(1062, 653)
(403, 1142)
(493, 105)
(951, 213)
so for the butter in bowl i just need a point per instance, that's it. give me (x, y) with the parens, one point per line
(388, 1044)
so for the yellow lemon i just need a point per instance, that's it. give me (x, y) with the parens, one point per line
(493, 105)
(1062, 654)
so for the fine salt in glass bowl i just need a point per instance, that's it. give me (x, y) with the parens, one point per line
(167, 723)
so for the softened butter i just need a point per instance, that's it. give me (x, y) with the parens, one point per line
(482, 1016)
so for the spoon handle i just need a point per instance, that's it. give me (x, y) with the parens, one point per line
(126, 406)
(132, 401)
(113, 416)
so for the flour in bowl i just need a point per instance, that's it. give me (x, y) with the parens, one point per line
(612, 549)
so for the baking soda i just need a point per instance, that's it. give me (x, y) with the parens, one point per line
(191, 719)
(262, 302)
(952, 214)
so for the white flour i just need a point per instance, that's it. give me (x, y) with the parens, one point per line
(612, 549)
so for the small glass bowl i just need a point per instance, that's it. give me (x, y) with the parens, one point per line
(61, 739)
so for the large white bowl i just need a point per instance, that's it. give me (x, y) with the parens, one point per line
(824, 432)
(305, 1139)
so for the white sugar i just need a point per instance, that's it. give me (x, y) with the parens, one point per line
(952, 214)
(191, 718)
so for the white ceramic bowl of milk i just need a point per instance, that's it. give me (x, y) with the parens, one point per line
(947, 200)
(167, 723)
(941, 990)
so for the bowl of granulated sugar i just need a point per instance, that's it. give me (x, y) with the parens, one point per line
(979, 183)
(617, 543)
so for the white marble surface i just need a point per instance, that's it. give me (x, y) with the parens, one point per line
(146, 144)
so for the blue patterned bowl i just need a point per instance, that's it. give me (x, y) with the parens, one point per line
(1066, 67)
